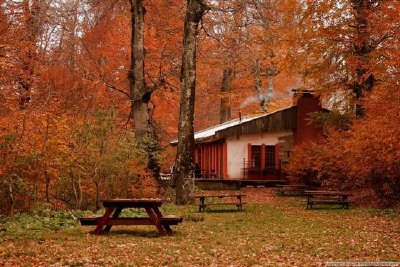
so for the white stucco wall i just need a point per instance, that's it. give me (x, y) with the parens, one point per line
(237, 149)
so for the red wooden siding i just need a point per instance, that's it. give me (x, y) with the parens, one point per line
(213, 159)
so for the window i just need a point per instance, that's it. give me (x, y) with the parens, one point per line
(256, 156)
(269, 157)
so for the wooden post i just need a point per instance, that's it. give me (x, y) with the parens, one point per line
(224, 160)
(277, 161)
(262, 166)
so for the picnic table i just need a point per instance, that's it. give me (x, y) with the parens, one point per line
(327, 197)
(203, 197)
(114, 207)
(290, 188)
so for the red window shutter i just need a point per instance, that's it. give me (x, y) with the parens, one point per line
(249, 159)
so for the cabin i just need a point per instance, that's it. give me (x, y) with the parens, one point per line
(259, 147)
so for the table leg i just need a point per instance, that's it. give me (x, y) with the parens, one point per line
(155, 220)
(239, 203)
(115, 215)
(103, 221)
(202, 206)
(345, 204)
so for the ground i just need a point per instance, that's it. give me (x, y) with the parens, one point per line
(270, 231)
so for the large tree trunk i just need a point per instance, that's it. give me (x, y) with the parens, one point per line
(184, 159)
(363, 80)
(136, 73)
(140, 93)
(225, 109)
(28, 55)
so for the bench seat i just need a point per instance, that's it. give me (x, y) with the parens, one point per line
(171, 220)
(224, 203)
(293, 189)
(314, 201)
(238, 205)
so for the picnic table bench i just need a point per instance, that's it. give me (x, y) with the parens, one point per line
(203, 204)
(327, 197)
(114, 207)
(290, 188)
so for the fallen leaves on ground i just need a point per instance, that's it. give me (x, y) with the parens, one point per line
(271, 231)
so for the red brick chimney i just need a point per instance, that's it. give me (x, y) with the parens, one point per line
(307, 102)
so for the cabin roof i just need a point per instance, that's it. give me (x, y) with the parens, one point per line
(283, 119)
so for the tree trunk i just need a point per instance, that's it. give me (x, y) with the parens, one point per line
(45, 151)
(363, 80)
(136, 73)
(139, 92)
(258, 85)
(96, 183)
(47, 177)
(271, 73)
(11, 195)
(184, 159)
(225, 109)
(28, 56)
(74, 189)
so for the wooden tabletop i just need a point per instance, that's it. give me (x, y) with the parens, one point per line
(133, 202)
(291, 185)
(218, 195)
(327, 192)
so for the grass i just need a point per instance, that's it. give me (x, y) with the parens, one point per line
(279, 233)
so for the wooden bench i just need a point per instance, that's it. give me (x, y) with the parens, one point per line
(328, 197)
(292, 189)
(206, 196)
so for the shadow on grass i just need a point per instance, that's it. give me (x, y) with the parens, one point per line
(133, 233)
(297, 195)
(330, 207)
(222, 211)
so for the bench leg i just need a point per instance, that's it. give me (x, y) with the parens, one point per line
(103, 221)
(166, 226)
(156, 221)
(115, 215)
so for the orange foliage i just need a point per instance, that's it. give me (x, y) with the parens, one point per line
(70, 142)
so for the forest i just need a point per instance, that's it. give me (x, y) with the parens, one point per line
(92, 92)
